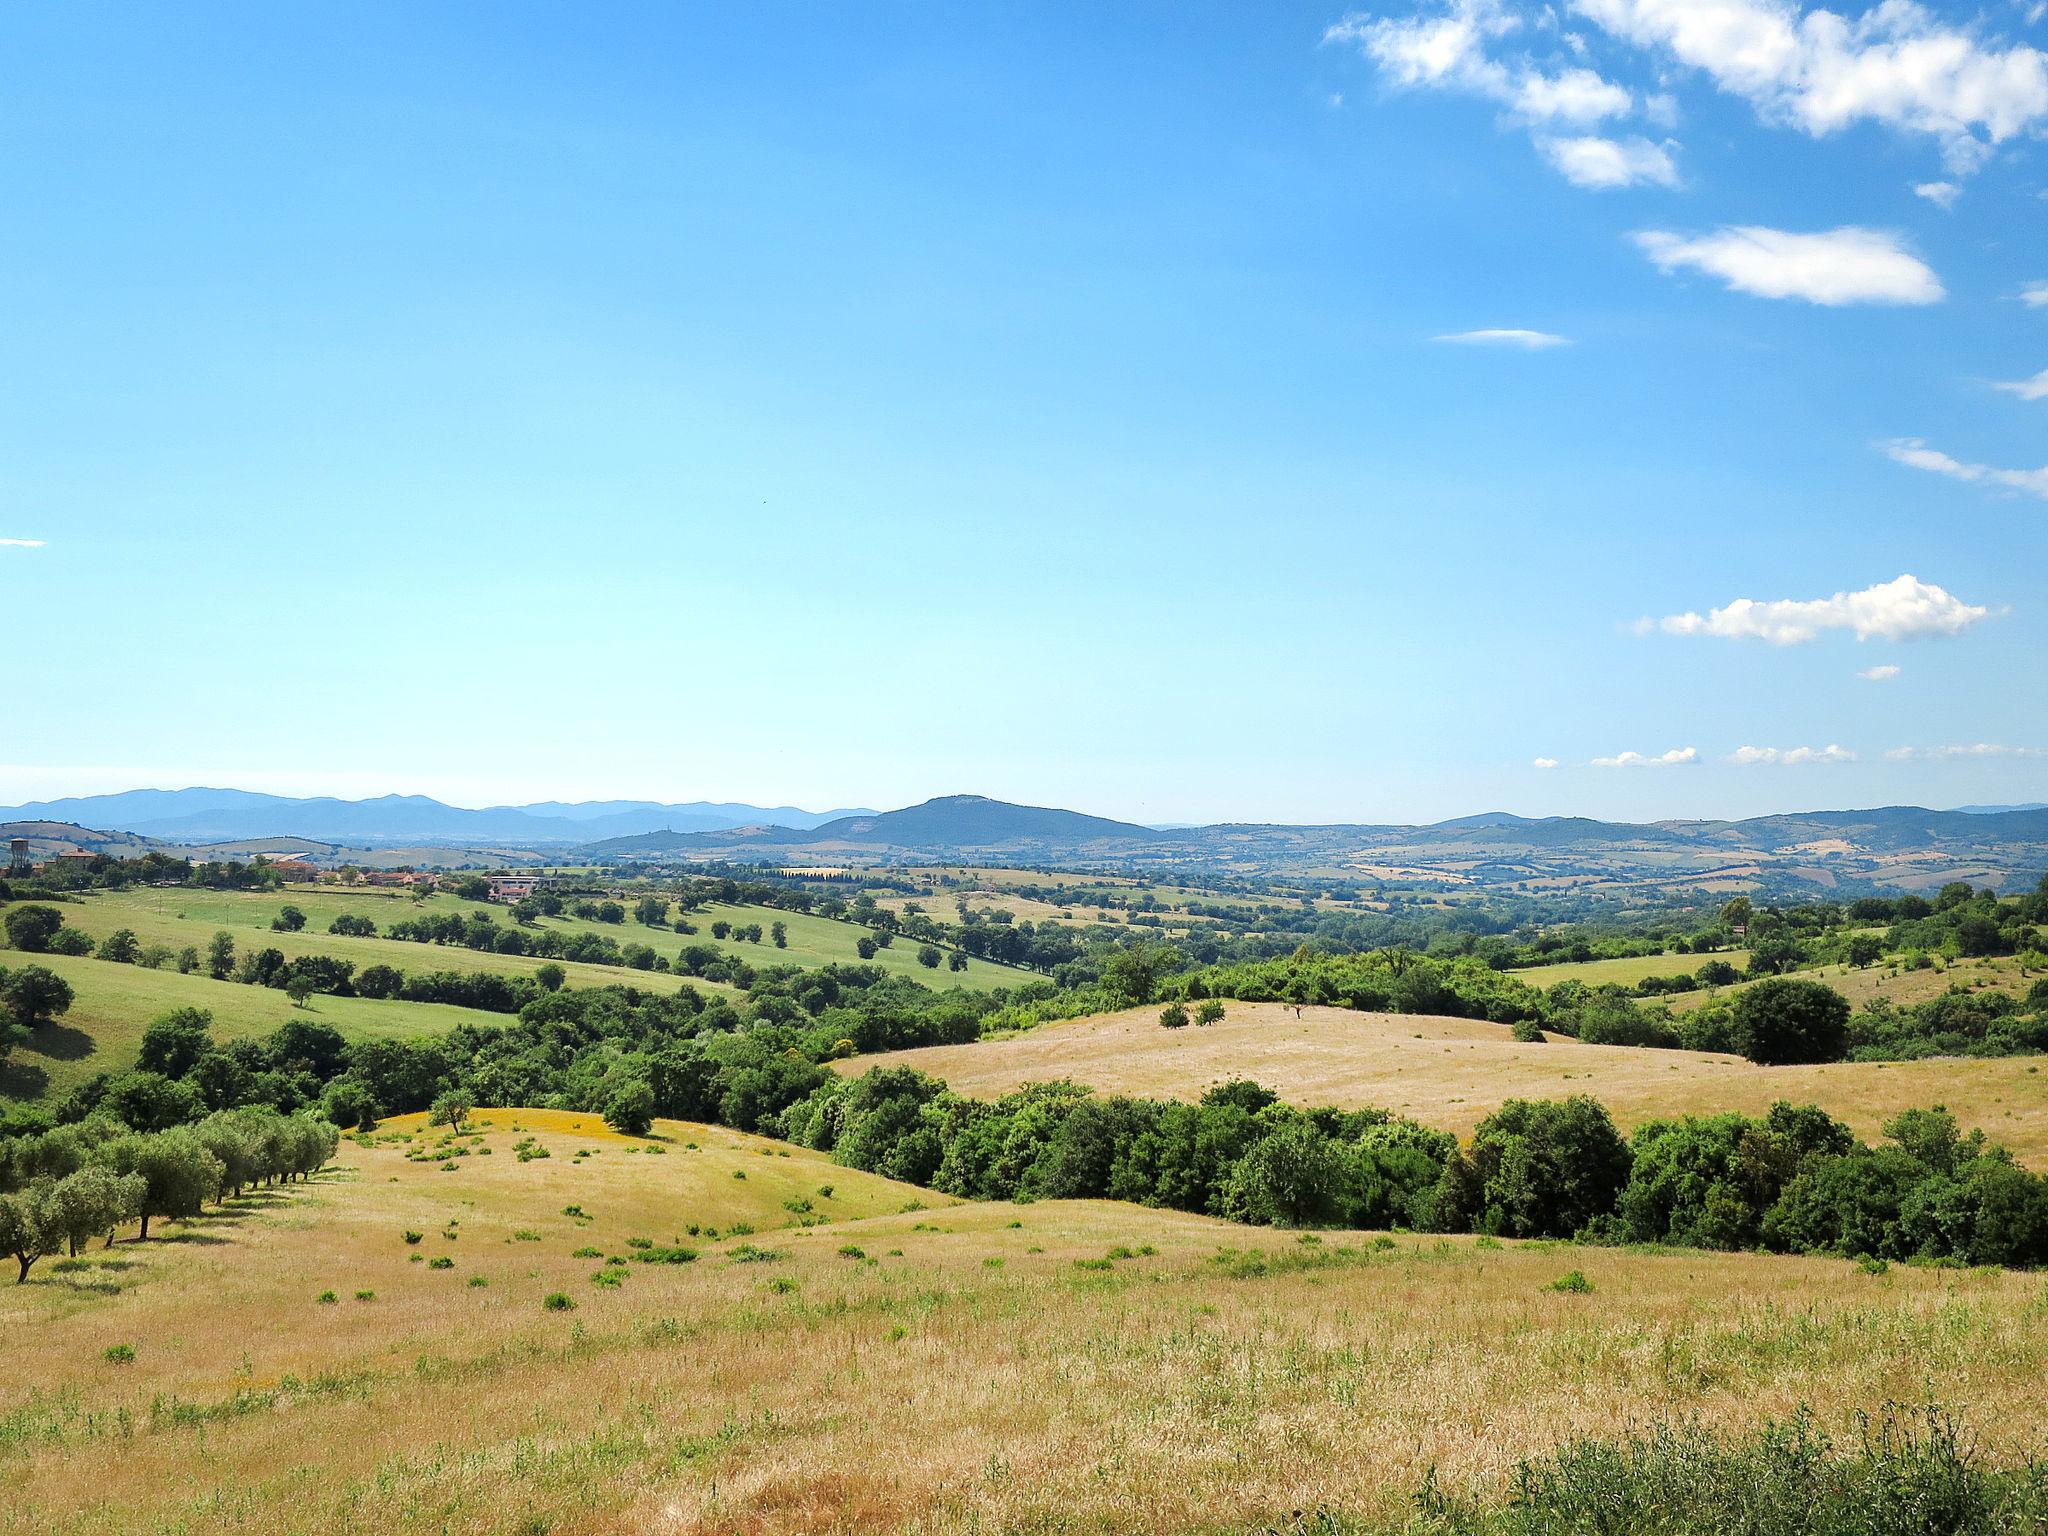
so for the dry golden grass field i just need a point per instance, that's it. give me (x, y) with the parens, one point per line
(1451, 1073)
(935, 1370)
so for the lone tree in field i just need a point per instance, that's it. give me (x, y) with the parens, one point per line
(1209, 1012)
(288, 920)
(121, 947)
(865, 947)
(451, 1109)
(220, 955)
(928, 957)
(779, 933)
(29, 998)
(1783, 1021)
(299, 989)
(30, 929)
(630, 1109)
(1865, 949)
(1174, 1016)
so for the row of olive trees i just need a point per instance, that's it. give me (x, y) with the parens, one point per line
(77, 1182)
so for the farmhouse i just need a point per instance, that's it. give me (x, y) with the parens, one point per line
(513, 887)
(296, 869)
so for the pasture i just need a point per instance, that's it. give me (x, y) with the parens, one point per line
(892, 1369)
(1451, 1073)
(115, 1004)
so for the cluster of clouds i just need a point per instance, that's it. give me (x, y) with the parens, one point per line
(1802, 757)
(1899, 65)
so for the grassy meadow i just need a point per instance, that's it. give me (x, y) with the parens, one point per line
(1451, 1073)
(115, 1003)
(904, 1365)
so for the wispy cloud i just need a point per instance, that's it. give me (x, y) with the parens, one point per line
(1790, 757)
(2035, 388)
(1905, 608)
(1532, 341)
(21, 543)
(1676, 757)
(1882, 674)
(1915, 453)
(1544, 762)
(2035, 295)
(1834, 267)
(1603, 165)
(1942, 194)
(1975, 749)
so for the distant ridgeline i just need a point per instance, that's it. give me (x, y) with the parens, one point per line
(1887, 848)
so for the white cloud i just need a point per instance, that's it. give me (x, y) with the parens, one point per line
(1674, 758)
(1913, 452)
(21, 543)
(1601, 165)
(1544, 762)
(1577, 96)
(2035, 295)
(1882, 674)
(1533, 341)
(1905, 608)
(1791, 757)
(1942, 194)
(1448, 50)
(1837, 266)
(1978, 749)
(2035, 388)
(1897, 64)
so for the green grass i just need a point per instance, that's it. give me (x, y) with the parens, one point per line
(817, 941)
(178, 916)
(115, 1003)
(1627, 972)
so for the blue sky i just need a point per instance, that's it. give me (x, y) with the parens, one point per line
(842, 405)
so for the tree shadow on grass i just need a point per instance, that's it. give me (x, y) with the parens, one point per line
(22, 1080)
(60, 1042)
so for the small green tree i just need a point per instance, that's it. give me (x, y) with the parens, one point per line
(93, 1201)
(1865, 949)
(451, 1108)
(957, 961)
(220, 955)
(1209, 1011)
(31, 1225)
(630, 1109)
(288, 920)
(30, 930)
(121, 947)
(299, 989)
(928, 956)
(779, 933)
(1174, 1016)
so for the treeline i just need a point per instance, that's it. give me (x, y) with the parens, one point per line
(1794, 1181)
(62, 1187)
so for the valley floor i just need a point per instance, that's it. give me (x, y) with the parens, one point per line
(909, 1365)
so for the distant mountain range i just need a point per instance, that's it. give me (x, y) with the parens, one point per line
(195, 816)
(1889, 846)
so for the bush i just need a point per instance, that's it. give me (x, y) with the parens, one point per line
(558, 1301)
(1174, 1016)
(1572, 1282)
